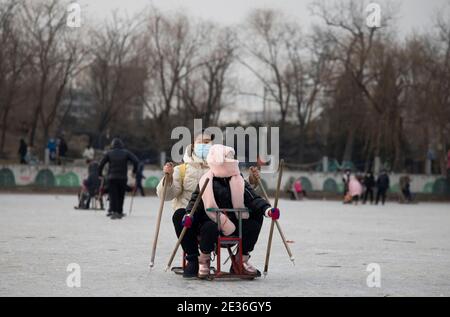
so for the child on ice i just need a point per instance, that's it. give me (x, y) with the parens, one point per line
(226, 189)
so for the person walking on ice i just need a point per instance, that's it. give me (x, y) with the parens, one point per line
(117, 158)
(383, 184)
(183, 181)
(369, 184)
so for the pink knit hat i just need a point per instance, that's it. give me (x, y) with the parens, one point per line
(221, 163)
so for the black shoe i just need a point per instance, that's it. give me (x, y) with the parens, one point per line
(109, 214)
(116, 215)
(191, 269)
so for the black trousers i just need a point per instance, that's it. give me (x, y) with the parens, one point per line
(116, 193)
(381, 193)
(140, 188)
(204, 232)
(407, 194)
(368, 193)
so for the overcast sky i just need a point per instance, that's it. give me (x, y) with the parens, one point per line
(415, 14)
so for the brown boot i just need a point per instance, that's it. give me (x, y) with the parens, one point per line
(204, 265)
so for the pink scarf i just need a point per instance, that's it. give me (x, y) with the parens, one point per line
(222, 166)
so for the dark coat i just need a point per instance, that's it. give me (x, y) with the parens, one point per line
(140, 173)
(92, 183)
(62, 147)
(118, 159)
(369, 181)
(22, 148)
(222, 195)
(383, 182)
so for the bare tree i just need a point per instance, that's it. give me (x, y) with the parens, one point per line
(203, 90)
(172, 45)
(310, 67)
(266, 45)
(430, 85)
(14, 56)
(353, 44)
(54, 61)
(115, 76)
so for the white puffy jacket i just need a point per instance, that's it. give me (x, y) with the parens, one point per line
(180, 194)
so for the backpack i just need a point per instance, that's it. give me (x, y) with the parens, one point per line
(183, 168)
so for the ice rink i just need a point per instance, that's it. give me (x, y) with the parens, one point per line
(40, 235)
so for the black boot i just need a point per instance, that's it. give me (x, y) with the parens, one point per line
(191, 269)
(116, 215)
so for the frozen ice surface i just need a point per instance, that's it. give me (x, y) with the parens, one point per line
(40, 235)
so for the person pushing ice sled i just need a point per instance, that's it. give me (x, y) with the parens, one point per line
(226, 189)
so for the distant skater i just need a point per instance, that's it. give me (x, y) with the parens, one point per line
(298, 190)
(382, 187)
(23, 151)
(369, 184)
(117, 158)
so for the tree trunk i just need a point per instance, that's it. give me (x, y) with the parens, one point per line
(4, 128)
(348, 150)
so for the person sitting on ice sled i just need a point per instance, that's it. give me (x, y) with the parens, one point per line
(184, 180)
(226, 189)
(91, 188)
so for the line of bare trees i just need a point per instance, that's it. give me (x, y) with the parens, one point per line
(341, 89)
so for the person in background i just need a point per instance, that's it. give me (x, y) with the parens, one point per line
(298, 190)
(52, 148)
(30, 157)
(117, 158)
(62, 149)
(139, 177)
(346, 181)
(369, 184)
(354, 189)
(91, 187)
(22, 151)
(89, 153)
(382, 187)
(405, 187)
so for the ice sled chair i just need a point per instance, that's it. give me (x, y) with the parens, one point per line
(227, 243)
(88, 200)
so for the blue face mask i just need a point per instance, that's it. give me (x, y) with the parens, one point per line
(201, 150)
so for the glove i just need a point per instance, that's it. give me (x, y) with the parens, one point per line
(274, 213)
(187, 221)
